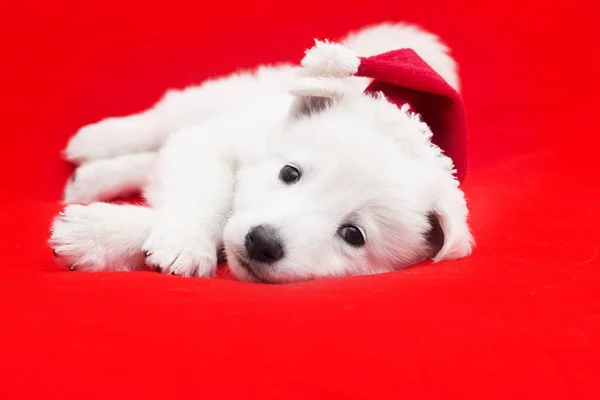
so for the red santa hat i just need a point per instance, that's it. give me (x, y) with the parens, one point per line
(403, 78)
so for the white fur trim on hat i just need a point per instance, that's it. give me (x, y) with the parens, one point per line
(330, 60)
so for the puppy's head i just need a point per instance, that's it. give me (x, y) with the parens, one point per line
(352, 185)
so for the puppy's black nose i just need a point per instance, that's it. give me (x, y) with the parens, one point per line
(263, 244)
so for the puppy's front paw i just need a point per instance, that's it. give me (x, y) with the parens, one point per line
(171, 252)
(83, 238)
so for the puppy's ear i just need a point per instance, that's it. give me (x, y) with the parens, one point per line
(450, 235)
(435, 234)
(312, 95)
(305, 106)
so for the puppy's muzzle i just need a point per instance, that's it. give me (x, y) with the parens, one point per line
(263, 244)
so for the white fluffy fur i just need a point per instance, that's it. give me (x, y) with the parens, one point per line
(208, 158)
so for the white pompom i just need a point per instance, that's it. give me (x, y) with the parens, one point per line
(330, 60)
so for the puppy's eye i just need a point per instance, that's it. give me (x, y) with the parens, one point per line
(352, 235)
(289, 174)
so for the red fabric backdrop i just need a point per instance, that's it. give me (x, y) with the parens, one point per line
(519, 319)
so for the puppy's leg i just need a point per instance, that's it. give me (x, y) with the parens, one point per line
(178, 109)
(101, 236)
(192, 192)
(111, 137)
(107, 179)
(143, 132)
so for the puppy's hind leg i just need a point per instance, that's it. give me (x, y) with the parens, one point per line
(178, 109)
(106, 179)
(101, 236)
(146, 131)
(112, 137)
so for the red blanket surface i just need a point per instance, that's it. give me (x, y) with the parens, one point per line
(518, 319)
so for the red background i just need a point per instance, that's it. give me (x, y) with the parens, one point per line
(519, 318)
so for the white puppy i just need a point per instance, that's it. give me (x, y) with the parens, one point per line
(297, 177)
